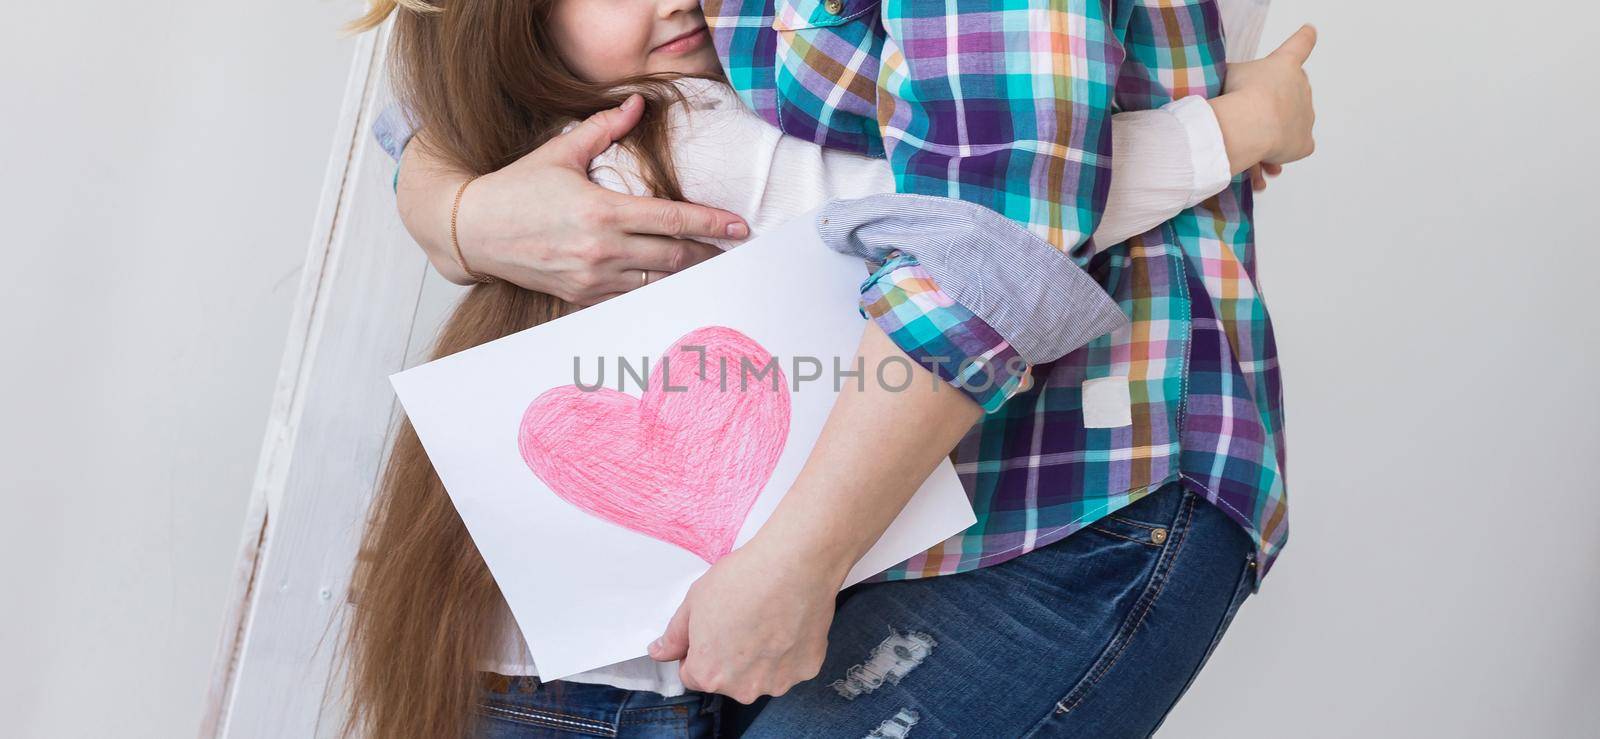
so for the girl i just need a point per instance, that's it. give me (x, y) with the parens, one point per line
(433, 651)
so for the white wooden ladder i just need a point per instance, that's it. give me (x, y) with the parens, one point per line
(368, 306)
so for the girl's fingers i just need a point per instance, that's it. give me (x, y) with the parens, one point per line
(1272, 170)
(644, 215)
(1297, 48)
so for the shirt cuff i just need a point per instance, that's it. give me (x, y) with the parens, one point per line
(968, 293)
(1030, 292)
(1207, 151)
(941, 334)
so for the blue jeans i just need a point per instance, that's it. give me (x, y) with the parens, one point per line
(525, 708)
(1096, 635)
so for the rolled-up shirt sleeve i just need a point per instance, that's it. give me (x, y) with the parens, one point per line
(1001, 145)
(943, 293)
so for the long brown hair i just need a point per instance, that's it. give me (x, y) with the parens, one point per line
(483, 80)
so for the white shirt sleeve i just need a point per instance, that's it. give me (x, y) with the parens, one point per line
(1242, 21)
(1162, 161)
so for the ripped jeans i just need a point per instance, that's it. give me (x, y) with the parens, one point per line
(1096, 635)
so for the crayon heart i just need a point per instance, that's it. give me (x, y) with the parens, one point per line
(682, 463)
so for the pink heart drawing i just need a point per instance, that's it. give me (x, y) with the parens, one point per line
(685, 462)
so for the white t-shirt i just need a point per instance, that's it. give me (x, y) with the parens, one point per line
(727, 157)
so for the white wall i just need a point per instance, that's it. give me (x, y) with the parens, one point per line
(1429, 272)
(160, 164)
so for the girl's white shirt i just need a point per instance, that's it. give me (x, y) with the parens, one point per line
(1163, 161)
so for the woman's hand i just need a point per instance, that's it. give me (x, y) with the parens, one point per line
(755, 624)
(541, 224)
(1265, 111)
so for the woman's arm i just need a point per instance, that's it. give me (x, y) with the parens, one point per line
(756, 623)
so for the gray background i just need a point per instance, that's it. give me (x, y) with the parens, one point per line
(1429, 271)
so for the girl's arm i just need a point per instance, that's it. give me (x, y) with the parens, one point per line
(1165, 160)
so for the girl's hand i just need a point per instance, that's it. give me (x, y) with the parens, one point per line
(1260, 173)
(1265, 111)
(541, 224)
(755, 624)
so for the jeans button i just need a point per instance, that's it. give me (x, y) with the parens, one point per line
(833, 6)
(1158, 536)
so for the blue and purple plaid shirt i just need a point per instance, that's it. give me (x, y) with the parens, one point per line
(1006, 104)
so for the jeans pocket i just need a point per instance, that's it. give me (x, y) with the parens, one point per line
(1148, 520)
(524, 707)
(1127, 529)
(540, 722)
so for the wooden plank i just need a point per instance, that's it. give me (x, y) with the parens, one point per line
(327, 433)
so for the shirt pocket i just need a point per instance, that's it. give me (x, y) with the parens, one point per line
(826, 57)
(797, 15)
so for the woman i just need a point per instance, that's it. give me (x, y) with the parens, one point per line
(452, 112)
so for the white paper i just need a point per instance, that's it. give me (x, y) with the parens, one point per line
(587, 592)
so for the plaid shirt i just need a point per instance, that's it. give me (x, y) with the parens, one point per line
(1007, 105)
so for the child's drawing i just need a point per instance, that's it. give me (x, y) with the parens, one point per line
(597, 509)
(683, 463)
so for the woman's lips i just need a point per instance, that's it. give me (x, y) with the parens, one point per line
(686, 43)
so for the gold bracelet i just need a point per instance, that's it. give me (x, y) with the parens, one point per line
(461, 261)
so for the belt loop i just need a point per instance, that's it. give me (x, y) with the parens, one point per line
(1183, 513)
